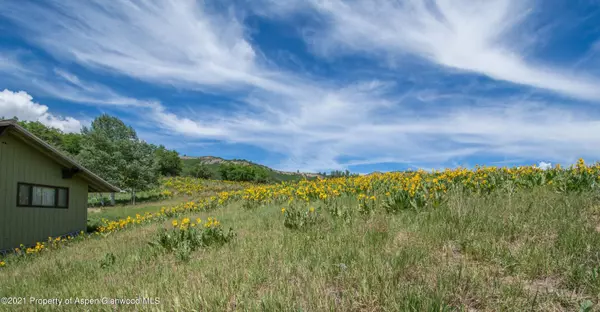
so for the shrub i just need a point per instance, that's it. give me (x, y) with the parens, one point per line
(366, 204)
(338, 210)
(297, 218)
(108, 260)
(402, 200)
(200, 171)
(242, 173)
(186, 237)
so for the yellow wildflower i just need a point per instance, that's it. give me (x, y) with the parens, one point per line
(174, 223)
(282, 210)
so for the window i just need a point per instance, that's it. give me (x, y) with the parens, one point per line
(31, 195)
(63, 197)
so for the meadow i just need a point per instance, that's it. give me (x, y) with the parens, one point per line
(487, 239)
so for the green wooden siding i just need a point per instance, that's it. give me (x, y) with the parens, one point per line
(27, 225)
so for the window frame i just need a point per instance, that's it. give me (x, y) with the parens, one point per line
(32, 185)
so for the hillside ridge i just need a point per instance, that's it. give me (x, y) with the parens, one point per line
(214, 160)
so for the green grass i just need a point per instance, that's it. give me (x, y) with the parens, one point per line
(95, 215)
(95, 199)
(531, 251)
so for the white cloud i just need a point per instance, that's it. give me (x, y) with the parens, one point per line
(21, 105)
(312, 122)
(545, 165)
(485, 37)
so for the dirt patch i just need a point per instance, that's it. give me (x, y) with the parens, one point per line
(452, 252)
(551, 296)
(232, 304)
(402, 238)
(545, 285)
(377, 226)
(335, 293)
(594, 217)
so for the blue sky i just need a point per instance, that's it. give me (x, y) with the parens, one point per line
(317, 85)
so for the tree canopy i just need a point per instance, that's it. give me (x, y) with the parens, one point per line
(66, 142)
(113, 150)
(233, 172)
(169, 163)
(200, 171)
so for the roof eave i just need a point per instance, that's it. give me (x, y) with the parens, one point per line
(99, 184)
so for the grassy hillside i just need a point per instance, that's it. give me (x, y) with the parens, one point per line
(491, 239)
(213, 163)
(532, 253)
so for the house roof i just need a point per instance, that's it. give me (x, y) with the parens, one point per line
(96, 183)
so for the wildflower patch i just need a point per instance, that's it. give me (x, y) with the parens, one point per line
(187, 236)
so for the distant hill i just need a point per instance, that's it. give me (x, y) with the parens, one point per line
(213, 163)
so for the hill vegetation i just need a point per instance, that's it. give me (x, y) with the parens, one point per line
(210, 167)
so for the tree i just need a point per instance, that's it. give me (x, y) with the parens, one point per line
(200, 171)
(232, 172)
(101, 156)
(100, 147)
(112, 150)
(66, 142)
(339, 173)
(112, 128)
(53, 136)
(260, 175)
(138, 169)
(71, 143)
(169, 163)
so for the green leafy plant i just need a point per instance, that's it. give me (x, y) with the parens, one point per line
(399, 201)
(108, 260)
(338, 210)
(367, 205)
(186, 237)
(586, 306)
(296, 218)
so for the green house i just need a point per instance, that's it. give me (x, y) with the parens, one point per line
(43, 193)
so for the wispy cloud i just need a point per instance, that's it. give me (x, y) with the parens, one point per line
(491, 38)
(9, 63)
(67, 86)
(495, 129)
(166, 42)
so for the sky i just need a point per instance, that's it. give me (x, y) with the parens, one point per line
(317, 85)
